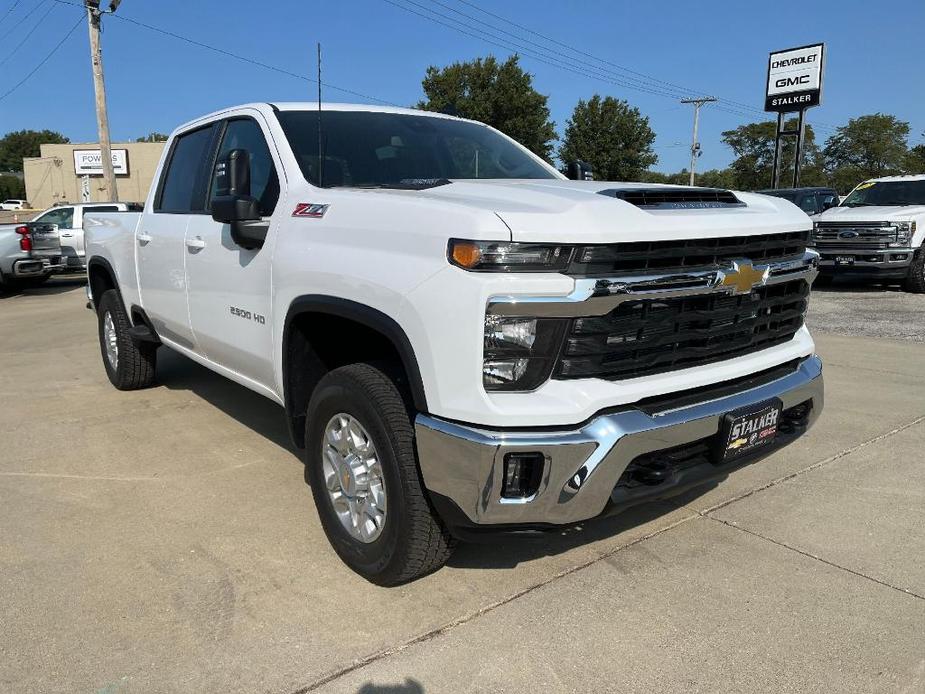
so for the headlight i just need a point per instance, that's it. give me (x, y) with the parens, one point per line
(501, 256)
(519, 353)
(904, 232)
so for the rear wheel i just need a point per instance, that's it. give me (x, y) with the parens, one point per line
(129, 365)
(915, 280)
(363, 472)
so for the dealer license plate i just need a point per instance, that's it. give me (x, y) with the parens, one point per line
(844, 260)
(743, 433)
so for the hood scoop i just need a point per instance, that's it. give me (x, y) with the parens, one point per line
(669, 198)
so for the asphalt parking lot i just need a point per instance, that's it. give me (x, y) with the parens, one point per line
(165, 540)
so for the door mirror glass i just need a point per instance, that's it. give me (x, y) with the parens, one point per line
(233, 204)
(579, 171)
(827, 202)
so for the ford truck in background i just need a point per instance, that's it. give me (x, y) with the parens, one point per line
(463, 341)
(876, 233)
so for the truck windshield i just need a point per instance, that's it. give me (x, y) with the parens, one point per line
(887, 193)
(367, 149)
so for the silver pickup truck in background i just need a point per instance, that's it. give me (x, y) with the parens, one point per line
(17, 266)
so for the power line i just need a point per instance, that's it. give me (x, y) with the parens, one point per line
(21, 20)
(242, 58)
(28, 34)
(43, 61)
(7, 13)
(729, 105)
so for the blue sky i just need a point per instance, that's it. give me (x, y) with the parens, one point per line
(875, 58)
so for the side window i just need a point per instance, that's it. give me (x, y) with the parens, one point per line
(62, 216)
(181, 184)
(244, 133)
(102, 208)
(808, 204)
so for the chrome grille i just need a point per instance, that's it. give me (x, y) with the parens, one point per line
(667, 256)
(868, 235)
(649, 336)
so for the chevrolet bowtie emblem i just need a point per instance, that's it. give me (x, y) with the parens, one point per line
(743, 277)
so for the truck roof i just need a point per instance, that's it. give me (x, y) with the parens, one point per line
(313, 106)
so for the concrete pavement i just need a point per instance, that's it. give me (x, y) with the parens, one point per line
(165, 540)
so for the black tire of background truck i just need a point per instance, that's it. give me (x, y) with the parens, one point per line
(413, 542)
(915, 280)
(137, 361)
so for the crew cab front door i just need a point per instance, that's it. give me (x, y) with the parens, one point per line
(161, 235)
(229, 286)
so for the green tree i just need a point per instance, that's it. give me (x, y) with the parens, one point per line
(610, 135)
(867, 147)
(915, 160)
(153, 137)
(753, 146)
(12, 187)
(499, 94)
(16, 145)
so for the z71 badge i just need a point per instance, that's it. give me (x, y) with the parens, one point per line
(310, 209)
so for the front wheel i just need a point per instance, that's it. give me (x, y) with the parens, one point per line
(359, 443)
(915, 280)
(128, 365)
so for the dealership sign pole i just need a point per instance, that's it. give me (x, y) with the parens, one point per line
(794, 84)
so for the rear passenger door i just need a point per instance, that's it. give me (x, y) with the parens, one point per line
(161, 235)
(229, 286)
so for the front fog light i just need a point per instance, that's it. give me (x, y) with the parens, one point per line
(519, 352)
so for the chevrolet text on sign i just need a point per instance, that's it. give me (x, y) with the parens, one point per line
(90, 162)
(795, 78)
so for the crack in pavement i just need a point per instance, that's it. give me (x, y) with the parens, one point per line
(445, 628)
(810, 555)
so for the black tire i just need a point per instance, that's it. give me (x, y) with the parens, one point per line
(135, 362)
(412, 542)
(915, 280)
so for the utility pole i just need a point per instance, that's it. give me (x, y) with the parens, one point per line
(695, 146)
(99, 86)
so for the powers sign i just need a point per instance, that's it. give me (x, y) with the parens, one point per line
(795, 78)
(90, 162)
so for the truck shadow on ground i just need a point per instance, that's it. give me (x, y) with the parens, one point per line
(55, 285)
(266, 419)
(838, 286)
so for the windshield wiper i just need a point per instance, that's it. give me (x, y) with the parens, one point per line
(407, 184)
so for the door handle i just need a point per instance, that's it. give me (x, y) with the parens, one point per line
(195, 243)
(66, 236)
(144, 238)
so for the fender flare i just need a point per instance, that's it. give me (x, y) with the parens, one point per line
(109, 270)
(365, 315)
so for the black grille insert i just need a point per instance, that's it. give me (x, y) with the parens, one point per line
(667, 256)
(675, 198)
(650, 336)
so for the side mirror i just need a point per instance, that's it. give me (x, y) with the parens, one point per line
(233, 203)
(579, 171)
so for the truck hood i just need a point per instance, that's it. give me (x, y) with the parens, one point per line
(559, 211)
(876, 213)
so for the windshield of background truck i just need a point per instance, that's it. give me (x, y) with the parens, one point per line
(887, 193)
(368, 149)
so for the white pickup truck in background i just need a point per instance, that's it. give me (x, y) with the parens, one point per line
(464, 342)
(877, 233)
(57, 235)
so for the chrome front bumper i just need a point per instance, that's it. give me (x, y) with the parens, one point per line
(464, 464)
(866, 260)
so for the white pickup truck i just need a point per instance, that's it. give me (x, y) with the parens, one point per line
(877, 233)
(464, 341)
